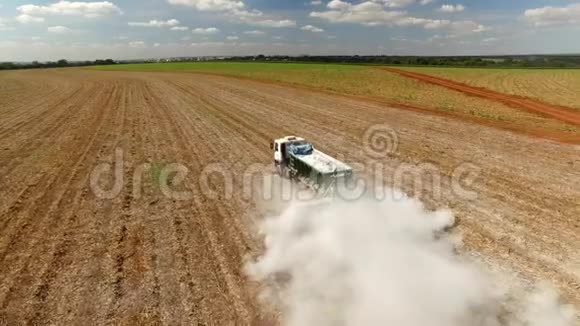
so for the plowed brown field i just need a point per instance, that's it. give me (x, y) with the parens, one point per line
(68, 257)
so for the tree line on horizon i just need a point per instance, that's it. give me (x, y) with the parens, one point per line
(514, 61)
(521, 61)
(54, 64)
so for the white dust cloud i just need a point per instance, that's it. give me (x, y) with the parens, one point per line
(383, 263)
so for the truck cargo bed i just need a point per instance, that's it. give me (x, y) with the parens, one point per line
(323, 163)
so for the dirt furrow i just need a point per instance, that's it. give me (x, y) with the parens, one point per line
(145, 256)
(62, 207)
(38, 152)
(561, 113)
(204, 209)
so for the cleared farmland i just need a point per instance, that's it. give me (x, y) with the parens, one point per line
(373, 83)
(555, 86)
(70, 257)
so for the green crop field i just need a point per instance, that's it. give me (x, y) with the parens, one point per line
(368, 82)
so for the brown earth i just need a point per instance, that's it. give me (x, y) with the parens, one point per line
(561, 113)
(69, 257)
(523, 127)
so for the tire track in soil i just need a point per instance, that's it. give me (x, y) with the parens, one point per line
(204, 207)
(37, 100)
(220, 122)
(62, 256)
(47, 108)
(135, 288)
(95, 296)
(176, 303)
(53, 215)
(46, 186)
(196, 210)
(191, 298)
(44, 130)
(234, 134)
(89, 288)
(15, 165)
(560, 113)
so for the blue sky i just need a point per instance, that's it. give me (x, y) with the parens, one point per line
(49, 30)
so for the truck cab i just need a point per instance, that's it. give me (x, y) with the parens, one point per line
(279, 146)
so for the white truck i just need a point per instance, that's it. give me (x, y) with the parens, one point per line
(297, 159)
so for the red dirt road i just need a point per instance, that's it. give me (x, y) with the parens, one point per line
(560, 113)
(70, 257)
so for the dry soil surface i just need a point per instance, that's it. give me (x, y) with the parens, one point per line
(147, 256)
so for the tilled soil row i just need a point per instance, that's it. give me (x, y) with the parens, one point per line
(68, 256)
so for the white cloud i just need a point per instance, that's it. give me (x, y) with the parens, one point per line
(271, 22)
(426, 2)
(490, 40)
(59, 29)
(27, 19)
(7, 28)
(210, 5)
(4, 27)
(374, 12)
(67, 8)
(209, 30)
(377, 12)
(179, 28)
(255, 32)
(137, 44)
(236, 10)
(310, 28)
(316, 2)
(367, 13)
(157, 45)
(205, 44)
(481, 29)
(548, 16)
(257, 18)
(460, 27)
(438, 37)
(232, 38)
(155, 23)
(437, 23)
(452, 8)
(397, 3)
